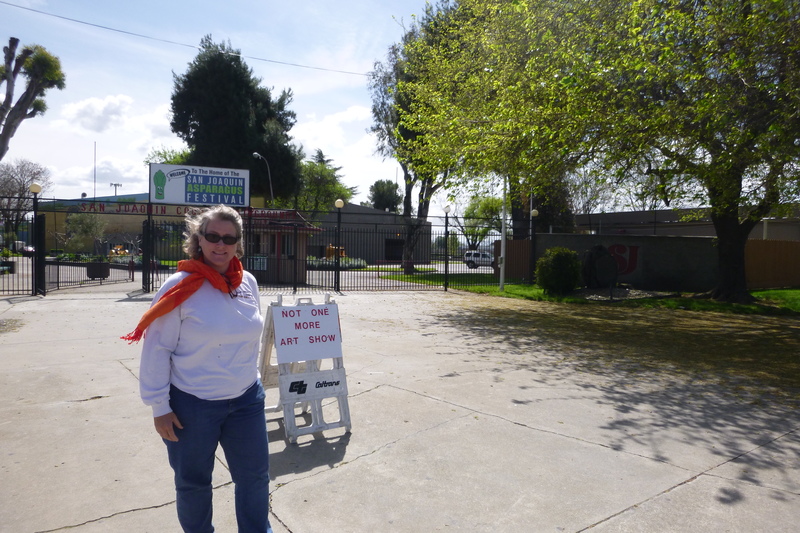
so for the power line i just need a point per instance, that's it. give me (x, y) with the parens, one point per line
(142, 36)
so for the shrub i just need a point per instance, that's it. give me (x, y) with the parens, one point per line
(558, 272)
(345, 263)
(125, 259)
(72, 258)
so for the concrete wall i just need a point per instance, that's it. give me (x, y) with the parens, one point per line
(682, 223)
(643, 261)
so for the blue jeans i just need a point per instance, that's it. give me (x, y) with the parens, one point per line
(239, 425)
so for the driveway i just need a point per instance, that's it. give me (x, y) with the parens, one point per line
(469, 413)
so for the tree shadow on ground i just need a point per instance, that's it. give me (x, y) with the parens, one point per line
(756, 352)
(723, 383)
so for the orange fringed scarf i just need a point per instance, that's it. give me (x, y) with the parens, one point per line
(199, 272)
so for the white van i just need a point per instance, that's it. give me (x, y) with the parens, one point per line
(474, 259)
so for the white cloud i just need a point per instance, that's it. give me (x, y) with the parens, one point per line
(329, 132)
(95, 114)
(152, 130)
(343, 138)
(72, 182)
(361, 167)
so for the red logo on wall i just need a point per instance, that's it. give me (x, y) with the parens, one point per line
(627, 258)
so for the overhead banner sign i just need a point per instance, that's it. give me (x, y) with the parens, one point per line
(307, 332)
(190, 185)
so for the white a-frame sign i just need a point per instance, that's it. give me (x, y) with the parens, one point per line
(304, 335)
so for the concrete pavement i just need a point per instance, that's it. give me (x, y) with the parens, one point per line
(469, 413)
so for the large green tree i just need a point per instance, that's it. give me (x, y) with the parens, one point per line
(422, 178)
(439, 56)
(320, 186)
(704, 98)
(85, 229)
(167, 156)
(384, 195)
(457, 107)
(41, 71)
(481, 215)
(692, 101)
(224, 115)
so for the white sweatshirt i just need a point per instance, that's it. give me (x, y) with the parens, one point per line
(208, 346)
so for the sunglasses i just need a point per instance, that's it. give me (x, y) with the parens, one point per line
(213, 238)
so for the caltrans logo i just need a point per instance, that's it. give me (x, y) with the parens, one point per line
(298, 387)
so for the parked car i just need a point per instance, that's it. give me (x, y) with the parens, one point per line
(474, 259)
(21, 248)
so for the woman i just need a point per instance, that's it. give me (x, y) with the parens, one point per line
(199, 373)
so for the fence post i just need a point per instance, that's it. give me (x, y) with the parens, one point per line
(446, 246)
(296, 257)
(147, 244)
(249, 244)
(339, 204)
(39, 262)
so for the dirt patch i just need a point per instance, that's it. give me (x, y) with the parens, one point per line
(9, 325)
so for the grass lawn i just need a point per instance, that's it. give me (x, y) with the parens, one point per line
(771, 302)
(394, 268)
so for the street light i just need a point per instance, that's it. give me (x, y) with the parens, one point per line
(269, 175)
(446, 245)
(532, 237)
(38, 247)
(339, 203)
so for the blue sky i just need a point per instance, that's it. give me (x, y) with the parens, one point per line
(118, 86)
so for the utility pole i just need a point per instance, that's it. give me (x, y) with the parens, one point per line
(116, 186)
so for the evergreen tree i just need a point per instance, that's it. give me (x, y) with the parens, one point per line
(385, 195)
(223, 114)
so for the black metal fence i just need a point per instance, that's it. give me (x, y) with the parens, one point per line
(360, 250)
(16, 254)
(328, 253)
(29, 267)
(331, 251)
(18, 274)
(63, 273)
